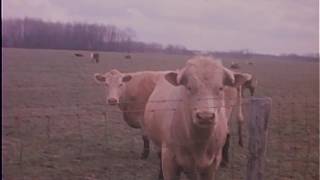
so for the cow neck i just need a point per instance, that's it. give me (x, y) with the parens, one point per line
(202, 150)
(125, 101)
(128, 98)
(185, 137)
(180, 127)
(186, 132)
(201, 138)
(136, 95)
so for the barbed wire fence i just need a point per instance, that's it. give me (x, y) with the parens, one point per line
(292, 151)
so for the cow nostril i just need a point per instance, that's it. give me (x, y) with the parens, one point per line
(112, 101)
(199, 116)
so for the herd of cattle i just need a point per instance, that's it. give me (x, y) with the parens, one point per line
(237, 66)
(96, 56)
(185, 112)
(93, 56)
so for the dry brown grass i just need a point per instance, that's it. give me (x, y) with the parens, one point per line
(37, 83)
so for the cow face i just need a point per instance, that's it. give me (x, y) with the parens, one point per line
(203, 81)
(114, 82)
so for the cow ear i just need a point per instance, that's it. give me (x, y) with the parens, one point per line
(235, 79)
(172, 78)
(228, 77)
(126, 78)
(99, 78)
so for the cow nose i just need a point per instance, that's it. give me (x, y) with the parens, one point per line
(112, 101)
(205, 117)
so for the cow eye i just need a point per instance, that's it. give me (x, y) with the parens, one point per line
(220, 88)
(189, 88)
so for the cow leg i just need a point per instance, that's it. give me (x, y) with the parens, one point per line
(160, 171)
(208, 175)
(252, 91)
(240, 116)
(170, 168)
(146, 147)
(225, 152)
(240, 133)
(242, 93)
(177, 173)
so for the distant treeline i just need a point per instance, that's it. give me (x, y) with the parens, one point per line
(35, 33)
(246, 55)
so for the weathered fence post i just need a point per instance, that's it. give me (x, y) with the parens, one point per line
(259, 112)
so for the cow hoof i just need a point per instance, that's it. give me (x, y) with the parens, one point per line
(160, 176)
(144, 155)
(240, 143)
(224, 164)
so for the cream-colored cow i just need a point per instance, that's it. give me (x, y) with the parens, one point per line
(130, 91)
(190, 125)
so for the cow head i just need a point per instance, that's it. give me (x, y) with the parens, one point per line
(204, 80)
(114, 82)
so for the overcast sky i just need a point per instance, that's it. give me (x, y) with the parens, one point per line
(264, 26)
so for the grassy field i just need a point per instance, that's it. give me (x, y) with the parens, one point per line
(54, 127)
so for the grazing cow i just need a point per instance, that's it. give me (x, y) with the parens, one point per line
(250, 63)
(128, 56)
(95, 57)
(250, 84)
(130, 91)
(78, 54)
(234, 65)
(187, 118)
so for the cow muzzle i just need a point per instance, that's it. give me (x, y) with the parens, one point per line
(205, 118)
(112, 101)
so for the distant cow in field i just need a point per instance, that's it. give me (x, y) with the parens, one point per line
(190, 126)
(130, 91)
(95, 57)
(128, 56)
(250, 84)
(250, 63)
(234, 65)
(78, 54)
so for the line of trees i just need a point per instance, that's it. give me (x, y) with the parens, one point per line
(36, 33)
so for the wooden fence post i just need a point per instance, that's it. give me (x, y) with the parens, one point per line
(259, 113)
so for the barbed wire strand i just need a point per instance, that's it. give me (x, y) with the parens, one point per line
(118, 111)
